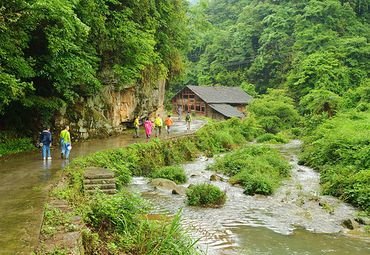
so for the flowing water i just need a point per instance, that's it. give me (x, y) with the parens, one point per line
(295, 220)
(25, 181)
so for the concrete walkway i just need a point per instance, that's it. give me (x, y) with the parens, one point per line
(25, 180)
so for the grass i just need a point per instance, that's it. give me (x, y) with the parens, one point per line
(117, 227)
(206, 195)
(259, 169)
(173, 173)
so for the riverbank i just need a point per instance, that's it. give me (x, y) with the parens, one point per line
(141, 160)
(296, 219)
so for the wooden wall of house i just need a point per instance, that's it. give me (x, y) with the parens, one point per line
(189, 101)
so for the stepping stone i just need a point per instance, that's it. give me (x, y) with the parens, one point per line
(102, 179)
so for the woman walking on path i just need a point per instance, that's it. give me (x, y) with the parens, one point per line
(45, 140)
(169, 123)
(65, 142)
(148, 125)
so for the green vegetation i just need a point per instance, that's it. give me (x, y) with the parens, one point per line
(259, 169)
(271, 138)
(340, 150)
(11, 143)
(275, 111)
(206, 195)
(315, 51)
(173, 173)
(118, 225)
(59, 52)
(55, 219)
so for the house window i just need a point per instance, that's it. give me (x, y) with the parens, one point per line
(197, 108)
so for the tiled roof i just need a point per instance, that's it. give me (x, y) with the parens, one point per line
(227, 110)
(221, 94)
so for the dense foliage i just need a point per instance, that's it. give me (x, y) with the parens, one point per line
(275, 111)
(259, 169)
(340, 149)
(54, 53)
(206, 195)
(305, 45)
(173, 173)
(317, 51)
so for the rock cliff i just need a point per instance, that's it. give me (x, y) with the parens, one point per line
(112, 111)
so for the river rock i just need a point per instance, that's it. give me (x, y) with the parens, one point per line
(363, 220)
(215, 178)
(163, 183)
(350, 224)
(179, 190)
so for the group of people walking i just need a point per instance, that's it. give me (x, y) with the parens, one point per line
(65, 143)
(158, 124)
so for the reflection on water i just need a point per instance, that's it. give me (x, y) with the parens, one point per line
(259, 224)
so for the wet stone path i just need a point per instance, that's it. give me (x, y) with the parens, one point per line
(25, 180)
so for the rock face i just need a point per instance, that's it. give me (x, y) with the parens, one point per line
(112, 110)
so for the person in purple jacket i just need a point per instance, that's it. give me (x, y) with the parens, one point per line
(45, 140)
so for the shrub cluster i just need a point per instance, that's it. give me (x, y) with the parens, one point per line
(206, 195)
(10, 144)
(271, 138)
(173, 173)
(340, 150)
(119, 221)
(259, 169)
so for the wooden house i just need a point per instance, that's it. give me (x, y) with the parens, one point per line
(214, 102)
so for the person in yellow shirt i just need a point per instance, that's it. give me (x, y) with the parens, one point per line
(169, 123)
(158, 123)
(136, 126)
(65, 142)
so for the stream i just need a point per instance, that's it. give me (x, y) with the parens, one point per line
(297, 219)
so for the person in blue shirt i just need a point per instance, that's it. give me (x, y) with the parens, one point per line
(45, 140)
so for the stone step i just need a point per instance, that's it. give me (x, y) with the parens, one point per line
(106, 191)
(98, 173)
(100, 186)
(99, 181)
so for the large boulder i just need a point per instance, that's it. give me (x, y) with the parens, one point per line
(163, 183)
(179, 190)
(350, 224)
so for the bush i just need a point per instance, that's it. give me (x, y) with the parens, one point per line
(16, 145)
(173, 173)
(206, 195)
(121, 227)
(271, 138)
(275, 111)
(259, 169)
